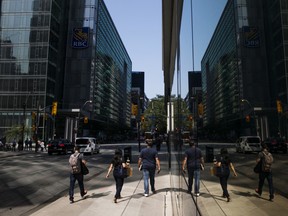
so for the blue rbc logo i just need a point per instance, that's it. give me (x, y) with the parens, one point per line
(80, 37)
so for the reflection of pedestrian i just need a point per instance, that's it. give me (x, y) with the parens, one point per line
(223, 161)
(265, 173)
(76, 176)
(115, 165)
(148, 159)
(194, 160)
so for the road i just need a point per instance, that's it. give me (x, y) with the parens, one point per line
(31, 180)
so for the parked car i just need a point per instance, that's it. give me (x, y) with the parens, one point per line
(248, 144)
(60, 146)
(87, 145)
(276, 144)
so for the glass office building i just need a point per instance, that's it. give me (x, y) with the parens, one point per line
(64, 51)
(32, 34)
(98, 68)
(235, 75)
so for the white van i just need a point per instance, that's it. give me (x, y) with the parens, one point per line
(87, 145)
(248, 144)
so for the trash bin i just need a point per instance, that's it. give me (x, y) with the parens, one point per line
(128, 153)
(209, 154)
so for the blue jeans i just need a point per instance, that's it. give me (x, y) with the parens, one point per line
(269, 177)
(194, 174)
(149, 174)
(73, 178)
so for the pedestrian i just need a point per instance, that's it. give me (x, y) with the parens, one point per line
(42, 145)
(75, 161)
(194, 161)
(30, 144)
(266, 160)
(224, 164)
(14, 145)
(115, 165)
(26, 144)
(147, 162)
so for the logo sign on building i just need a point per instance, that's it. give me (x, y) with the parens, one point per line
(80, 37)
(251, 36)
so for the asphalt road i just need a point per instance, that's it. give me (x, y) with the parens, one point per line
(30, 180)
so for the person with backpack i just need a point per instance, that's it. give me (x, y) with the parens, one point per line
(117, 165)
(75, 161)
(223, 165)
(266, 158)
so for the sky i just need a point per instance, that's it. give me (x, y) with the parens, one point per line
(139, 24)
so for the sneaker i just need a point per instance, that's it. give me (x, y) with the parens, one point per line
(146, 195)
(71, 200)
(154, 191)
(228, 199)
(197, 194)
(115, 200)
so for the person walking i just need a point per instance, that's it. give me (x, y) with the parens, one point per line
(224, 164)
(115, 165)
(75, 161)
(266, 159)
(30, 144)
(194, 161)
(147, 162)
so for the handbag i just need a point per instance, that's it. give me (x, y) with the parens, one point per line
(258, 167)
(84, 168)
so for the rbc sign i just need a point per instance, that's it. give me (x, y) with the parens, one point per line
(80, 37)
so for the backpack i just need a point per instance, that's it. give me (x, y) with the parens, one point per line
(75, 163)
(267, 161)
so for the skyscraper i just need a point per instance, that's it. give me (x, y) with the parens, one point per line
(67, 52)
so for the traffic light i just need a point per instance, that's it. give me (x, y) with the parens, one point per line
(247, 118)
(200, 109)
(85, 120)
(54, 108)
(134, 109)
(279, 106)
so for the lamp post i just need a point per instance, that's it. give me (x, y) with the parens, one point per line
(79, 114)
(24, 121)
(253, 112)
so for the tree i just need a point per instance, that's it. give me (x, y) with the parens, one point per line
(15, 132)
(155, 116)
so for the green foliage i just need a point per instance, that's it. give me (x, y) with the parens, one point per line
(156, 115)
(15, 132)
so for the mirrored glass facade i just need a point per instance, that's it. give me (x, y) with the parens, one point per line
(31, 49)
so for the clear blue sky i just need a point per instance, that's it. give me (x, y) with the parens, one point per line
(139, 24)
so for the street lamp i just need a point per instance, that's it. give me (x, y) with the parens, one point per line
(24, 121)
(252, 108)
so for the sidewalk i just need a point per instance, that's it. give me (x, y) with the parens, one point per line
(171, 198)
(99, 200)
(244, 201)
